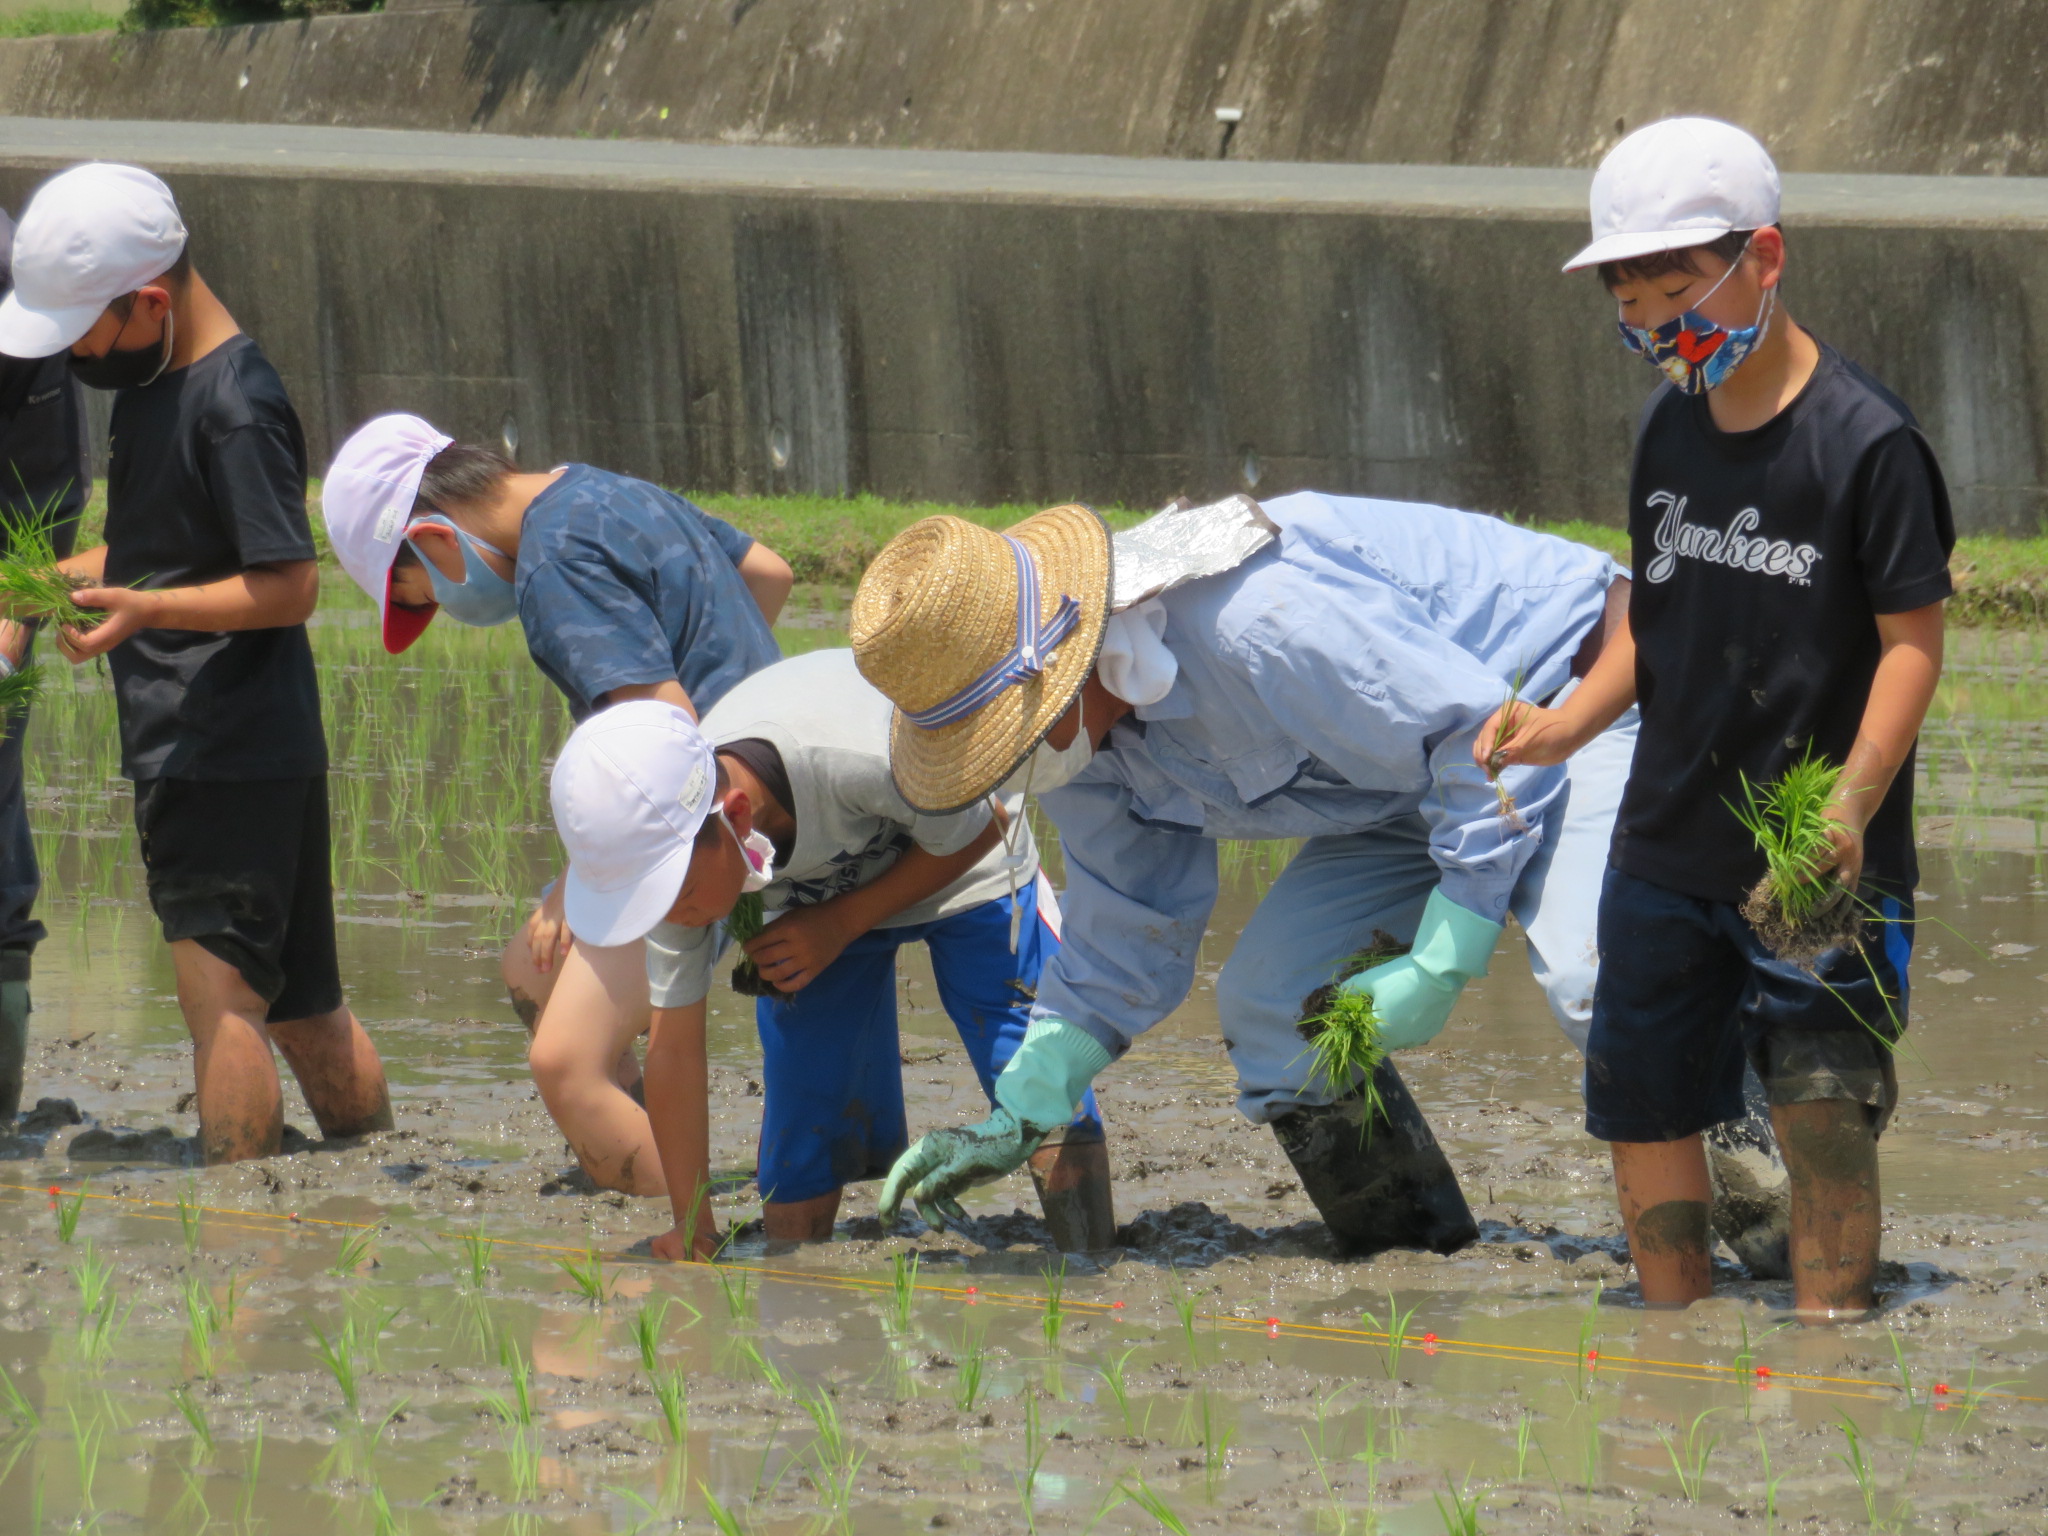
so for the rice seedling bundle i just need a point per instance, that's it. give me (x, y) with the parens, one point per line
(1797, 908)
(1343, 1032)
(748, 918)
(31, 585)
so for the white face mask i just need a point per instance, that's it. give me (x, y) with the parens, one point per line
(1049, 767)
(759, 853)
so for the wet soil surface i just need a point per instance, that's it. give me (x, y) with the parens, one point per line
(395, 1334)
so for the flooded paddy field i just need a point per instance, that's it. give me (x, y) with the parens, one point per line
(445, 1329)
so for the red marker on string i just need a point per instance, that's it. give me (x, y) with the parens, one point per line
(1272, 1327)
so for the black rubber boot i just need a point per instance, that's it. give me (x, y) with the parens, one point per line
(1752, 1210)
(14, 1011)
(1073, 1190)
(1382, 1185)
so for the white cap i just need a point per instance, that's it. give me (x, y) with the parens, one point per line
(89, 235)
(367, 503)
(1681, 182)
(631, 789)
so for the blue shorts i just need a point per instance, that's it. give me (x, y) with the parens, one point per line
(832, 1066)
(1686, 988)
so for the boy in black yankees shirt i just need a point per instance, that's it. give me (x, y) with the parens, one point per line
(1791, 537)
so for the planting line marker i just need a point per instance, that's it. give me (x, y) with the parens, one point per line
(1672, 1370)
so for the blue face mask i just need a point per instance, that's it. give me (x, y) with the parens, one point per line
(482, 598)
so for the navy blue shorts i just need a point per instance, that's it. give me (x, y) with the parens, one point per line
(1686, 989)
(832, 1066)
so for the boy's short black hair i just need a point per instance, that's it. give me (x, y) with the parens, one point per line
(174, 277)
(461, 474)
(1686, 259)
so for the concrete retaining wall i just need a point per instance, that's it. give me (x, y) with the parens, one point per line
(987, 328)
(1867, 85)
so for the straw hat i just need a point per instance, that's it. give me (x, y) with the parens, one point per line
(936, 627)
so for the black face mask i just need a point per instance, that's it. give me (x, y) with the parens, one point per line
(124, 368)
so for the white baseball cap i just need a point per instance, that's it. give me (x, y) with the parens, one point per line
(367, 502)
(631, 789)
(87, 236)
(1678, 183)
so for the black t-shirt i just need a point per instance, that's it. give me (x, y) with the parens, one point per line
(208, 477)
(1762, 559)
(42, 431)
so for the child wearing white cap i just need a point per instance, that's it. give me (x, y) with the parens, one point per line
(1791, 535)
(787, 791)
(206, 579)
(624, 591)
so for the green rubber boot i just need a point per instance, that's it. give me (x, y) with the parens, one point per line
(14, 1011)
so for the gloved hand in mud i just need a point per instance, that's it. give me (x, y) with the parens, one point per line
(1412, 996)
(941, 1165)
(1035, 1095)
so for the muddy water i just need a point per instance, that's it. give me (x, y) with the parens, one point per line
(1531, 1386)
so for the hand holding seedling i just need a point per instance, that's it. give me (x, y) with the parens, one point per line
(1845, 839)
(791, 952)
(127, 610)
(1520, 733)
(547, 931)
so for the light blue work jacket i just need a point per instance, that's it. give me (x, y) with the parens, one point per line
(1333, 683)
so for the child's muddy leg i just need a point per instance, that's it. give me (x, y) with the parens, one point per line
(1665, 1197)
(801, 1221)
(241, 1108)
(1831, 1151)
(1071, 1173)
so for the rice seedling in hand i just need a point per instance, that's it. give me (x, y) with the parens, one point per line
(1342, 1029)
(20, 688)
(748, 918)
(1507, 726)
(31, 585)
(1798, 908)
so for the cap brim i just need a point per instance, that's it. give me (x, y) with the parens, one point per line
(402, 625)
(1627, 246)
(26, 332)
(941, 771)
(608, 918)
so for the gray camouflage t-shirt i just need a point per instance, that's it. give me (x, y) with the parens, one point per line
(832, 728)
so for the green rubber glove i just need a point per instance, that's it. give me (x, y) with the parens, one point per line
(1413, 995)
(1035, 1095)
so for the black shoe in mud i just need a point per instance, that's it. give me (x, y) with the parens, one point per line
(1378, 1185)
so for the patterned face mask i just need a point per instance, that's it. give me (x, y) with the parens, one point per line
(1697, 354)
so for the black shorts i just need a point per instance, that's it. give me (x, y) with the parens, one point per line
(1686, 989)
(241, 869)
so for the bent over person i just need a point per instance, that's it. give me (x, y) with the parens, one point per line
(1327, 685)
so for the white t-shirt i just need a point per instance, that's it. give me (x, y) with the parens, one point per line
(831, 727)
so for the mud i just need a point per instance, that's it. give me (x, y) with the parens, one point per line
(1804, 941)
(1224, 1359)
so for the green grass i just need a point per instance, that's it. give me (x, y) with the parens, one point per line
(57, 21)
